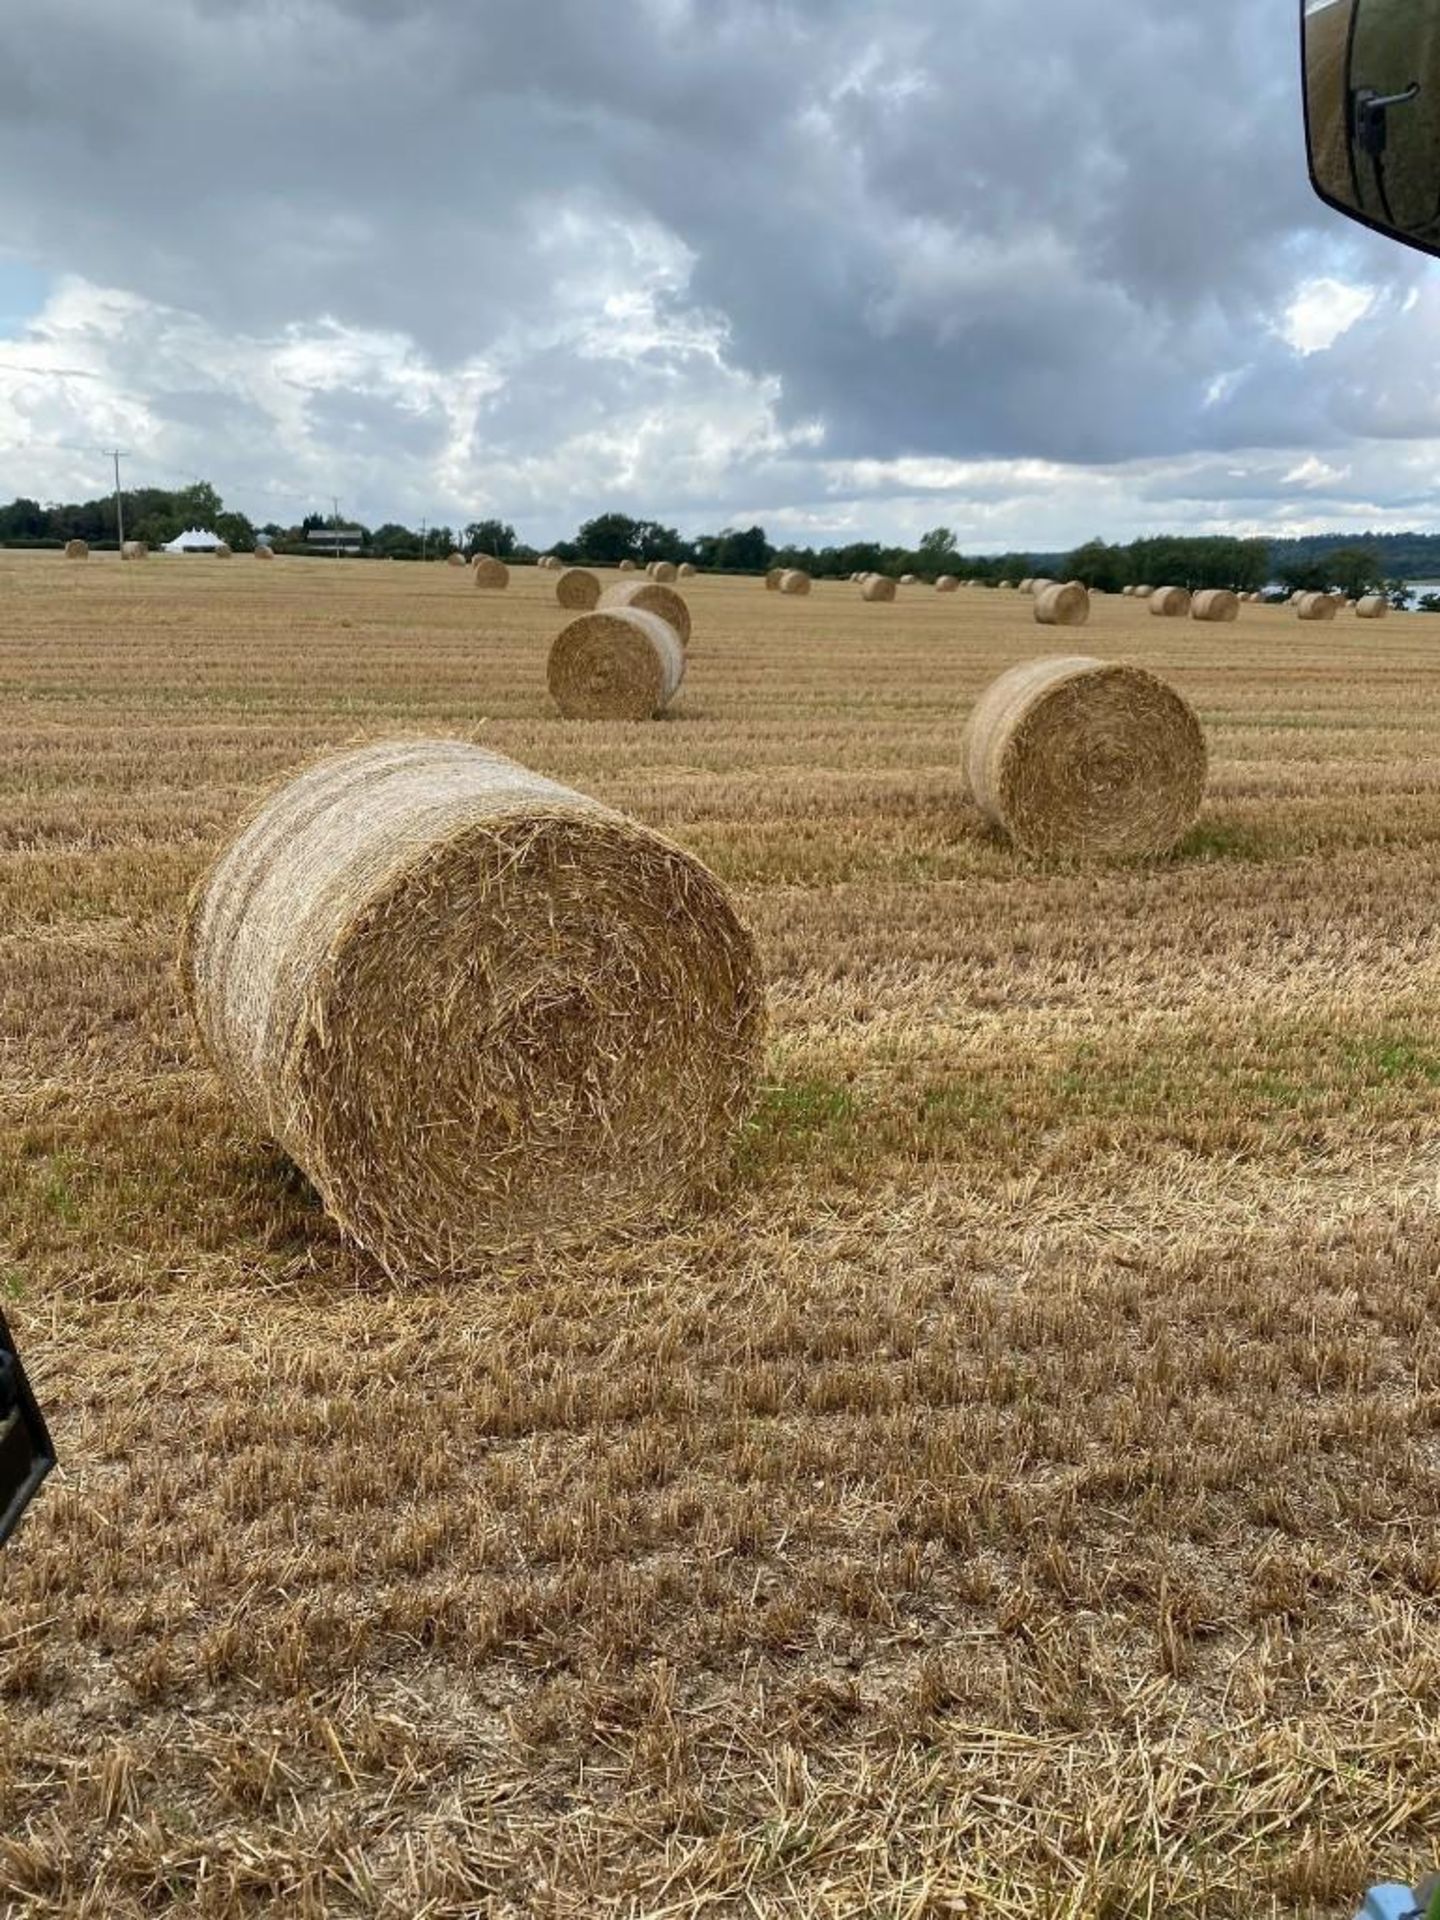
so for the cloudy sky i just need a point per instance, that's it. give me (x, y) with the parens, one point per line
(846, 267)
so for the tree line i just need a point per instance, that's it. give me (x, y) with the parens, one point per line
(1369, 564)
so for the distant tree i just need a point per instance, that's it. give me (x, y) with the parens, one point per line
(1098, 565)
(733, 551)
(392, 541)
(608, 539)
(1356, 571)
(938, 544)
(1397, 592)
(496, 537)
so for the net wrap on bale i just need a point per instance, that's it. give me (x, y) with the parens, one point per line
(618, 663)
(1078, 758)
(479, 1010)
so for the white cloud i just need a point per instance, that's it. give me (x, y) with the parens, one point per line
(1321, 312)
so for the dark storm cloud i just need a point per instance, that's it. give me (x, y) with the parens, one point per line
(1058, 231)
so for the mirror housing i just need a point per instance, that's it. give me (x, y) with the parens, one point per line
(1372, 113)
(26, 1455)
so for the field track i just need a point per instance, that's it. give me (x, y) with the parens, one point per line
(1021, 1497)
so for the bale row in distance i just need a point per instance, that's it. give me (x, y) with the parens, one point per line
(618, 663)
(479, 1010)
(1077, 758)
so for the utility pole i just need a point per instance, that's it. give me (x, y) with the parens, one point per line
(335, 502)
(424, 536)
(119, 504)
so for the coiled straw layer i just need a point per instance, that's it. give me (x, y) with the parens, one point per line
(1077, 758)
(479, 1010)
(618, 663)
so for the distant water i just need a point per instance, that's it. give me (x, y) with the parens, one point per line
(1421, 587)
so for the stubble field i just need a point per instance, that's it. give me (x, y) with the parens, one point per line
(1021, 1496)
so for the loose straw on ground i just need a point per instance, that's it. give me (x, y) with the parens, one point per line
(1076, 758)
(479, 1010)
(618, 663)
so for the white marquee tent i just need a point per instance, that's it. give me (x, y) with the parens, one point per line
(193, 540)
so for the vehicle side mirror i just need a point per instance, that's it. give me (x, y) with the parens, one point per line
(26, 1455)
(1372, 113)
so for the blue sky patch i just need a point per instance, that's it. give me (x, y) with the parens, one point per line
(23, 292)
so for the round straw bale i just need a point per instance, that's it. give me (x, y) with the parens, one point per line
(134, 550)
(222, 551)
(490, 573)
(947, 583)
(1027, 583)
(1170, 603)
(794, 580)
(1296, 597)
(618, 663)
(264, 553)
(1126, 592)
(1373, 607)
(1075, 757)
(773, 579)
(1007, 586)
(480, 1010)
(685, 570)
(879, 586)
(907, 579)
(1215, 604)
(650, 596)
(456, 560)
(577, 590)
(1143, 593)
(77, 549)
(627, 566)
(1316, 606)
(1067, 606)
(1037, 587)
(665, 571)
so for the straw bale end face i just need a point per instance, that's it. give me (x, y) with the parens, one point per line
(77, 550)
(627, 566)
(490, 574)
(877, 586)
(948, 583)
(479, 1010)
(577, 589)
(1170, 603)
(794, 580)
(1076, 758)
(1067, 606)
(618, 663)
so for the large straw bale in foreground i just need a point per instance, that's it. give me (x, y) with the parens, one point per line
(479, 1010)
(77, 549)
(1170, 603)
(1076, 758)
(1215, 604)
(651, 597)
(1373, 607)
(794, 580)
(490, 573)
(618, 663)
(577, 590)
(1067, 606)
(878, 586)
